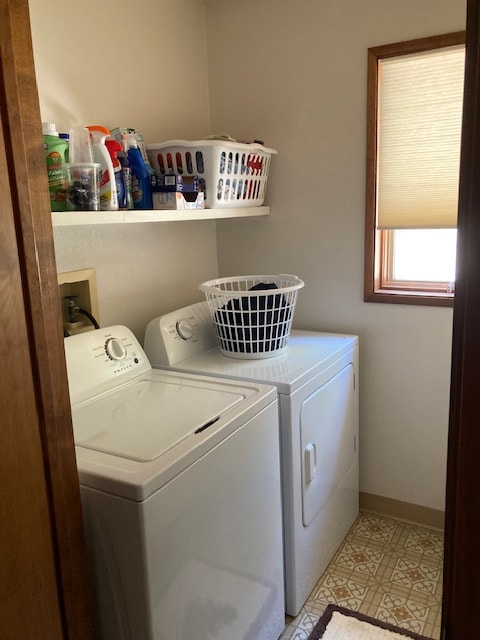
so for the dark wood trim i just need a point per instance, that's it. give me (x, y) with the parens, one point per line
(30, 208)
(461, 592)
(390, 297)
(373, 237)
(418, 45)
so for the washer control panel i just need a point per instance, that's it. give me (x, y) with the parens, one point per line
(180, 334)
(101, 359)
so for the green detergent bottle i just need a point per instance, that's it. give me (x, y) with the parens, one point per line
(56, 155)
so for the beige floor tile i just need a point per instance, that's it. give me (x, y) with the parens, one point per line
(385, 568)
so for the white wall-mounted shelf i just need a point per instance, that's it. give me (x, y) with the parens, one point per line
(77, 218)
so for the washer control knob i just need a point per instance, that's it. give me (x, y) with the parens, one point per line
(115, 349)
(184, 329)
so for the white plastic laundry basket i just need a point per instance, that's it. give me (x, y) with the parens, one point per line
(233, 174)
(252, 315)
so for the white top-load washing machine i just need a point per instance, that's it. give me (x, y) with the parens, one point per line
(317, 383)
(180, 486)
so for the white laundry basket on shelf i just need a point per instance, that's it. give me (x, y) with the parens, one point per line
(232, 174)
(252, 315)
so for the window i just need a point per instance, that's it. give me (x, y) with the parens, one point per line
(415, 99)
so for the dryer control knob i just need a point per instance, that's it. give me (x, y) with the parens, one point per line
(184, 329)
(115, 349)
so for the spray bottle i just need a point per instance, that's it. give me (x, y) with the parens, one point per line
(114, 147)
(141, 190)
(108, 190)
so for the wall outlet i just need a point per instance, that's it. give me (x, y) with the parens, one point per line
(83, 285)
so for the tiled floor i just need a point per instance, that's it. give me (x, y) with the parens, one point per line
(385, 568)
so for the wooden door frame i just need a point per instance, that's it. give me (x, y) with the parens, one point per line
(461, 594)
(30, 214)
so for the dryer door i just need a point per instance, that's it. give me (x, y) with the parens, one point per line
(327, 427)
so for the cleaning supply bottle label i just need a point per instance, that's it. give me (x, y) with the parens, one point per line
(55, 157)
(105, 189)
(121, 193)
(127, 178)
(127, 174)
(137, 191)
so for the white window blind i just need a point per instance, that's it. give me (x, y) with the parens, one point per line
(419, 128)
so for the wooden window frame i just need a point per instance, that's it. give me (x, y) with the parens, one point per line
(379, 284)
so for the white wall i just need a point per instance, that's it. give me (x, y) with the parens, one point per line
(141, 65)
(293, 73)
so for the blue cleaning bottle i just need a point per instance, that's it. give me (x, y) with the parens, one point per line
(141, 190)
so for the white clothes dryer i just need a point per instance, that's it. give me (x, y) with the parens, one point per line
(180, 486)
(317, 384)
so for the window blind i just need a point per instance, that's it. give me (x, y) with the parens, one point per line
(418, 139)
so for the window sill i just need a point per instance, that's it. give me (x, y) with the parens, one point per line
(410, 297)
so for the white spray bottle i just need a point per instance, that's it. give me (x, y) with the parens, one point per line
(108, 190)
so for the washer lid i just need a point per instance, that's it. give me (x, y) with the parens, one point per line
(147, 418)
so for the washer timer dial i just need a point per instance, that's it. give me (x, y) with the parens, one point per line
(115, 349)
(185, 329)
